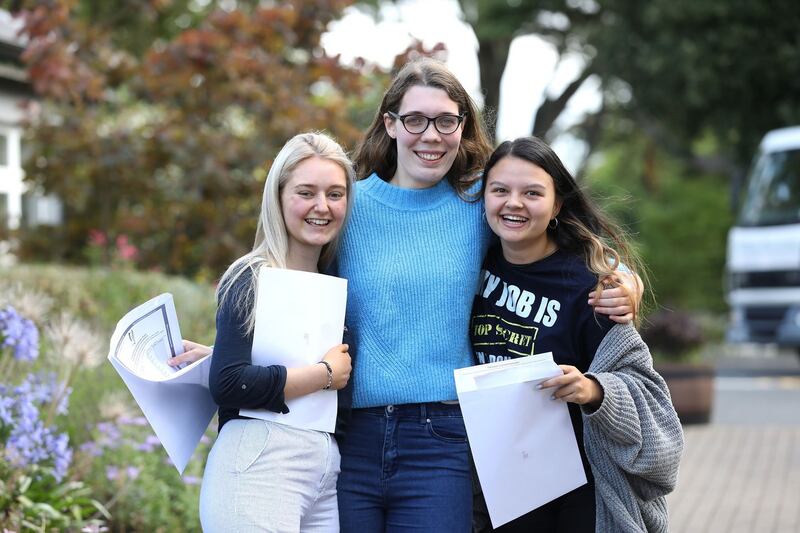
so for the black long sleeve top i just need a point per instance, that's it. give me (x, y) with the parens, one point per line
(236, 383)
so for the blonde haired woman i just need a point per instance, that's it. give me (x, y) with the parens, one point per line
(261, 475)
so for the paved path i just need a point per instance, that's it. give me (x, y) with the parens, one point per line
(741, 473)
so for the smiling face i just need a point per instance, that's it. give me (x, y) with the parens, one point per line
(314, 205)
(520, 201)
(424, 158)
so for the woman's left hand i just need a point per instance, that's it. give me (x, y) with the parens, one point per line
(618, 302)
(193, 351)
(574, 387)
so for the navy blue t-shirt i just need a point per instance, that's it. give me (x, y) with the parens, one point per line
(540, 307)
(521, 310)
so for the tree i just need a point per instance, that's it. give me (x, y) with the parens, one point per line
(168, 144)
(694, 67)
(562, 24)
(680, 68)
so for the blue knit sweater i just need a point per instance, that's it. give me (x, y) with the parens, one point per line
(412, 258)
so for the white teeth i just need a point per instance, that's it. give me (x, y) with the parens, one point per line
(318, 221)
(512, 218)
(430, 157)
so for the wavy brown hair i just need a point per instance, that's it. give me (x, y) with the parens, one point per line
(582, 228)
(378, 152)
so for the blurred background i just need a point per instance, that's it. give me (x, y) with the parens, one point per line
(135, 137)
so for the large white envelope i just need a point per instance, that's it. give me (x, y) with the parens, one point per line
(522, 442)
(299, 317)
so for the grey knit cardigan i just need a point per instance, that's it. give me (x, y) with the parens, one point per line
(634, 439)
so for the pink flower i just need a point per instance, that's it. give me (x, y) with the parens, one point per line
(125, 250)
(97, 238)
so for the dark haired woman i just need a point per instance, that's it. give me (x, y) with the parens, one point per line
(555, 248)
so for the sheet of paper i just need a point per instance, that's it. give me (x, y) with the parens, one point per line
(522, 442)
(299, 317)
(176, 403)
(149, 337)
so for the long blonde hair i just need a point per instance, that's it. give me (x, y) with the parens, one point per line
(271, 242)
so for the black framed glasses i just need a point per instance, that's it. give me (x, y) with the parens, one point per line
(416, 123)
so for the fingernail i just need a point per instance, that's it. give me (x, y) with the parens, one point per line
(539, 386)
(553, 397)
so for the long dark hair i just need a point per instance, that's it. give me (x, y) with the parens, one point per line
(582, 228)
(378, 152)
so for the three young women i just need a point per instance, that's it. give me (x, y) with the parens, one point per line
(412, 254)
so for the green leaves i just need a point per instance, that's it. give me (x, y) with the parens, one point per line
(160, 141)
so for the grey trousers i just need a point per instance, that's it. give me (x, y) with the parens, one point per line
(267, 477)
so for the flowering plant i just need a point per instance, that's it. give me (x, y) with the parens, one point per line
(115, 458)
(119, 252)
(35, 492)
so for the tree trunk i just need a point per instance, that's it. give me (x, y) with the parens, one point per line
(551, 108)
(492, 57)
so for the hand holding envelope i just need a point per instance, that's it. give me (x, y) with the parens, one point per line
(522, 442)
(299, 317)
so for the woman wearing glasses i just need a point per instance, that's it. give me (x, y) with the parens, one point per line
(412, 256)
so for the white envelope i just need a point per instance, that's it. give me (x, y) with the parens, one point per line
(522, 442)
(299, 317)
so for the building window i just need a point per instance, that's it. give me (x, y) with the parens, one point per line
(38, 210)
(3, 150)
(3, 214)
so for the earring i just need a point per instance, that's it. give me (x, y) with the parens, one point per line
(553, 224)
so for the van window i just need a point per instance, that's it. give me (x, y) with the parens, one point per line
(773, 192)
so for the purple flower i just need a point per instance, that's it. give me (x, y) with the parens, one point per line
(109, 435)
(132, 421)
(191, 480)
(149, 444)
(91, 448)
(20, 334)
(132, 472)
(29, 442)
(112, 472)
(41, 389)
(6, 406)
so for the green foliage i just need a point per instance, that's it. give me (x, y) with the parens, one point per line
(678, 219)
(168, 147)
(125, 463)
(101, 296)
(732, 68)
(36, 503)
(683, 234)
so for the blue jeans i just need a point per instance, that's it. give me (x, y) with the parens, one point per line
(405, 468)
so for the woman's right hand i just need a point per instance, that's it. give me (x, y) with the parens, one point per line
(339, 359)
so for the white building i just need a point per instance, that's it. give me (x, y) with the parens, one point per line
(18, 206)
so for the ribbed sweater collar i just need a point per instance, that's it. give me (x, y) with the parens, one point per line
(405, 199)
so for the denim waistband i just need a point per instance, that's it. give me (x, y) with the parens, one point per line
(413, 410)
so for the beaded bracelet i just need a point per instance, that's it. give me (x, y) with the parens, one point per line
(330, 374)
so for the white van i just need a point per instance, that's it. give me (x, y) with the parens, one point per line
(763, 259)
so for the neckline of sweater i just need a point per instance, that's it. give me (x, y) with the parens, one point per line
(407, 199)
